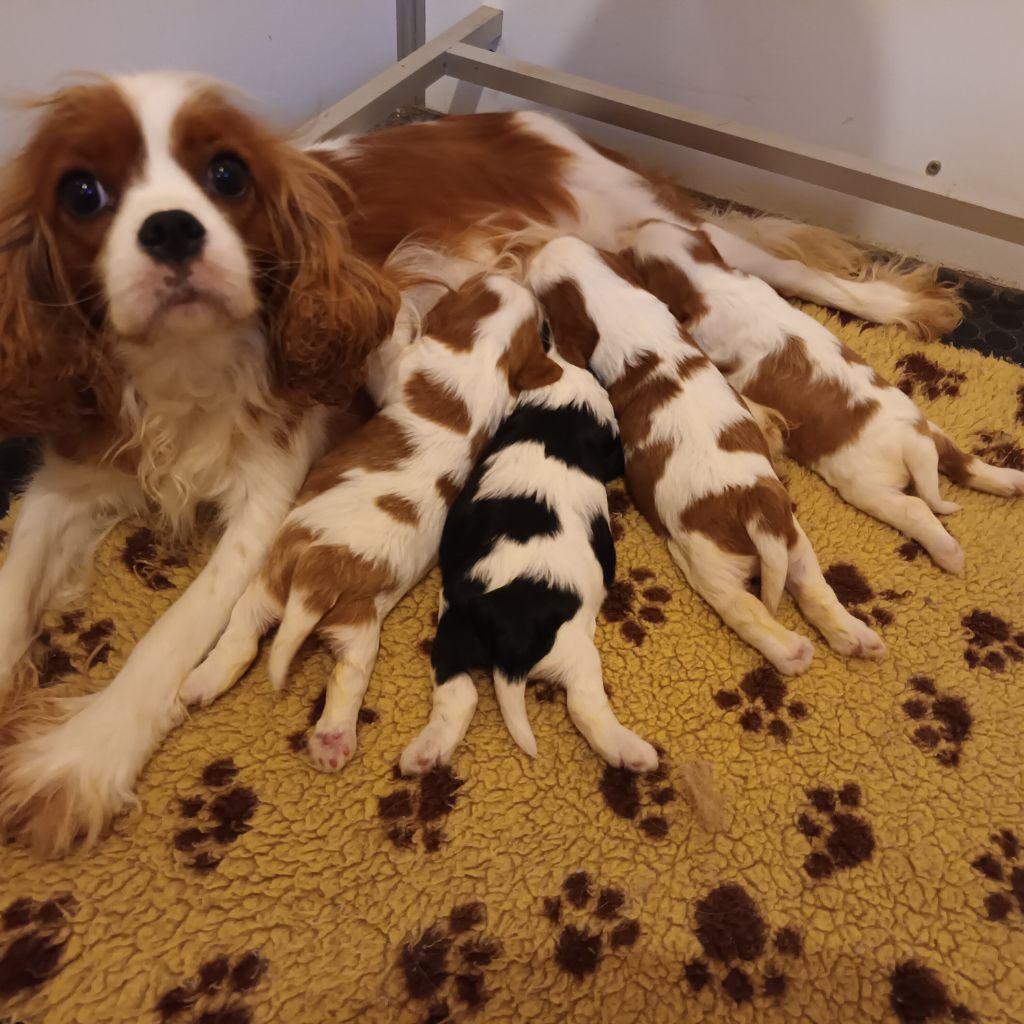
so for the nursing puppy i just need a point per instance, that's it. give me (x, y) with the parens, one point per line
(369, 518)
(526, 558)
(697, 464)
(862, 435)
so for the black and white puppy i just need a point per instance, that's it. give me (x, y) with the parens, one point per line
(526, 558)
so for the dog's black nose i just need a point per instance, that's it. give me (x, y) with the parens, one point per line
(171, 236)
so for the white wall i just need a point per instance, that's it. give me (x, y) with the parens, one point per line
(294, 56)
(902, 82)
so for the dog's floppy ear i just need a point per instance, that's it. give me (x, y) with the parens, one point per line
(328, 308)
(49, 358)
(527, 364)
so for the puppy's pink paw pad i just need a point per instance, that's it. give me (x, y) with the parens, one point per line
(330, 750)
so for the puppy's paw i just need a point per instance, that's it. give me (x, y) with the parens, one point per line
(432, 748)
(855, 639)
(794, 657)
(331, 749)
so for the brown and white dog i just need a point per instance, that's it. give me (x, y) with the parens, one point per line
(179, 290)
(862, 435)
(697, 463)
(368, 521)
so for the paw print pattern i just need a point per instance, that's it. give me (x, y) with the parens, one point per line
(599, 924)
(839, 838)
(854, 591)
(732, 933)
(148, 561)
(763, 704)
(644, 799)
(217, 820)
(72, 647)
(217, 994)
(33, 938)
(920, 375)
(991, 641)
(447, 964)
(635, 604)
(1001, 866)
(298, 741)
(943, 721)
(1000, 449)
(419, 805)
(916, 995)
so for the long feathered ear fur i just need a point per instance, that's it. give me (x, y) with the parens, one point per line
(328, 309)
(49, 360)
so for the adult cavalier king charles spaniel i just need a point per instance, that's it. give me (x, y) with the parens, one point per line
(187, 301)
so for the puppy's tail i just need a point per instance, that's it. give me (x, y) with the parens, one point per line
(512, 702)
(297, 623)
(774, 555)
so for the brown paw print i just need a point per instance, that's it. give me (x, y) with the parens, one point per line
(991, 641)
(148, 560)
(219, 819)
(763, 699)
(599, 923)
(33, 938)
(643, 799)
(945, 721)
(447, 964)
(1000, 866)
(217, 993)
(853, 590)
(840, 839)
(917, 995)
(635, 603)
(1000, 449)
(1020, 404)
(923, 377)
(72, 647)
(419, 805)
(732, 932)
(297, 741)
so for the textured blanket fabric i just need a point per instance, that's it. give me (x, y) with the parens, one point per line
(871, 867)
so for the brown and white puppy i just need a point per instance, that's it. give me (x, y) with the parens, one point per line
(697, 464)
(368, 521)
(864, 436)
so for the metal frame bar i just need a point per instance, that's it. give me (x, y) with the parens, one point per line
(457, 53)
(411, 25)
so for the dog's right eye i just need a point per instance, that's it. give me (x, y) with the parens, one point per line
(82, 194)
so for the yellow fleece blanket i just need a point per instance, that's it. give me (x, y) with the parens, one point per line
(870, 868)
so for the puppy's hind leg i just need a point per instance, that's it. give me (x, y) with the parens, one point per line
(845, 633)
(907, 514)
(720, 579)
(234, 652)
(454, 704)
(355, 647)
(575, 662)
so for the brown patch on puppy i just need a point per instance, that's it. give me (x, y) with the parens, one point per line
(284, 554)
(727, 517)
(400, 509)
(574, 333)
(453, 321)
(437, 402)
(377, 446)
(341, 585)
(703, 251)
(448, 489)
(644, 468)
(822, 414)
(665, 281)
(953, 462)
(743, 436)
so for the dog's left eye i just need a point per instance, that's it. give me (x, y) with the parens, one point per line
(228, 176)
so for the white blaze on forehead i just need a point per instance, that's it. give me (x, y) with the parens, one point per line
(156, 98)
